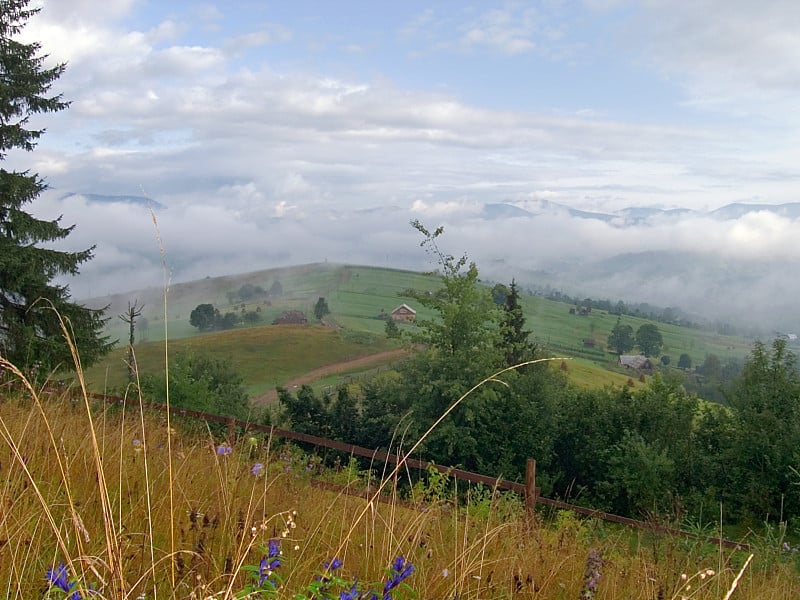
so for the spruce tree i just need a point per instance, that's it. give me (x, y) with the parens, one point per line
(515, 344)
(30, 303)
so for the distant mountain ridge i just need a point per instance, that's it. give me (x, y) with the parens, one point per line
(638, 215)
(124, 199)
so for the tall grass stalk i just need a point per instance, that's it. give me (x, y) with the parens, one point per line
(166, 282)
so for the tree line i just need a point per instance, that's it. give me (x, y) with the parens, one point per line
(656, 449)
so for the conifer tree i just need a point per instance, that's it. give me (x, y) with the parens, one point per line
(30, 303)
(515, 344)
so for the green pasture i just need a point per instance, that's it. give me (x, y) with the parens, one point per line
(589, 375)
(553, 326)
(265, 356)
(356, 295)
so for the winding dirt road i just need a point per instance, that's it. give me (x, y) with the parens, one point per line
(340, 367)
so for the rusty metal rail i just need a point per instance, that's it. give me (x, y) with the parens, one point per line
(527, 490)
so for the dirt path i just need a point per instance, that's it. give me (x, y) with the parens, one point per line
(340, 367)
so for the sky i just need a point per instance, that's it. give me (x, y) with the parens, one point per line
(274, 133)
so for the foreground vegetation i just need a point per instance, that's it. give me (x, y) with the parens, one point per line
(236, 506)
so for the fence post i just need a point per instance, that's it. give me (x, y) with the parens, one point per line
(530, 488)
(230, 431)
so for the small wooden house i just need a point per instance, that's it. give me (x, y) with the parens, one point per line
(291, 317)
(635, 361)
(404, 313)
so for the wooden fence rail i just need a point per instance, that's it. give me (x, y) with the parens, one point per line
(527, 490)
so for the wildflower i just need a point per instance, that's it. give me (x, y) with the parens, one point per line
(257, 469)
(332, 564)
(591, 577)
(223, 450)
(351, 594)
(137, 445)
(57, 577)
(400, 570)
(269, 563)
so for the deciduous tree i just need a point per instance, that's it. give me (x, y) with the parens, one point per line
(203, 317)
(621, 338)
(649, 340)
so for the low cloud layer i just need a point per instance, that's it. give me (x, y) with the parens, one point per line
(721, 269)
(271, 138)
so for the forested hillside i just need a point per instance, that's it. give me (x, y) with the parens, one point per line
(653, 450)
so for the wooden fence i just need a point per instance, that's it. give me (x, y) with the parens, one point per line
(527, 490)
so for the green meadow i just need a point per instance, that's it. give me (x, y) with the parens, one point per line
(267, 355)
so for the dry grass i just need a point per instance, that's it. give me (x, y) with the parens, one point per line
(142, 512)
(224, 515)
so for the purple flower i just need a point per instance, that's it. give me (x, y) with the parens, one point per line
(332, 564)
(269, 563)
(57, 577)
(257, 469)
(400, 570)
(223, 450)
(351, 594)
(591, 576)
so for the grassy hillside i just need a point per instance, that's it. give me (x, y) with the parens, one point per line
(356, 295)
(265, 356)
(191, 522)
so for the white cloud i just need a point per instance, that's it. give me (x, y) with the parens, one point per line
(268, 34)
(733, 55)
(262, 161)
(503, 30)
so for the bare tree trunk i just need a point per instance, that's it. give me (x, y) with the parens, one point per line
(129, 317)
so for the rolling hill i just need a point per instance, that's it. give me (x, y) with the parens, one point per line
(267, 355)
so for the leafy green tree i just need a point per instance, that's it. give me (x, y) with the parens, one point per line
(666, 359)
(392, 330)
(248, 291)
(30, 303)
(649, 339)
(495, 427)
(712, 367)
(276, 289)
(499, 294)
(227, 321)
(641, 476)
(321, 308)
(766, 403)
(684, 361)
(204, 317)
(306, 412)
(251, 317)
(621, 338)
(200, 383)
(467, 316)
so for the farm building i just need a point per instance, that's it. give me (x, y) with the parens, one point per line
(291, 317)
(404, 313)
(635, 361)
